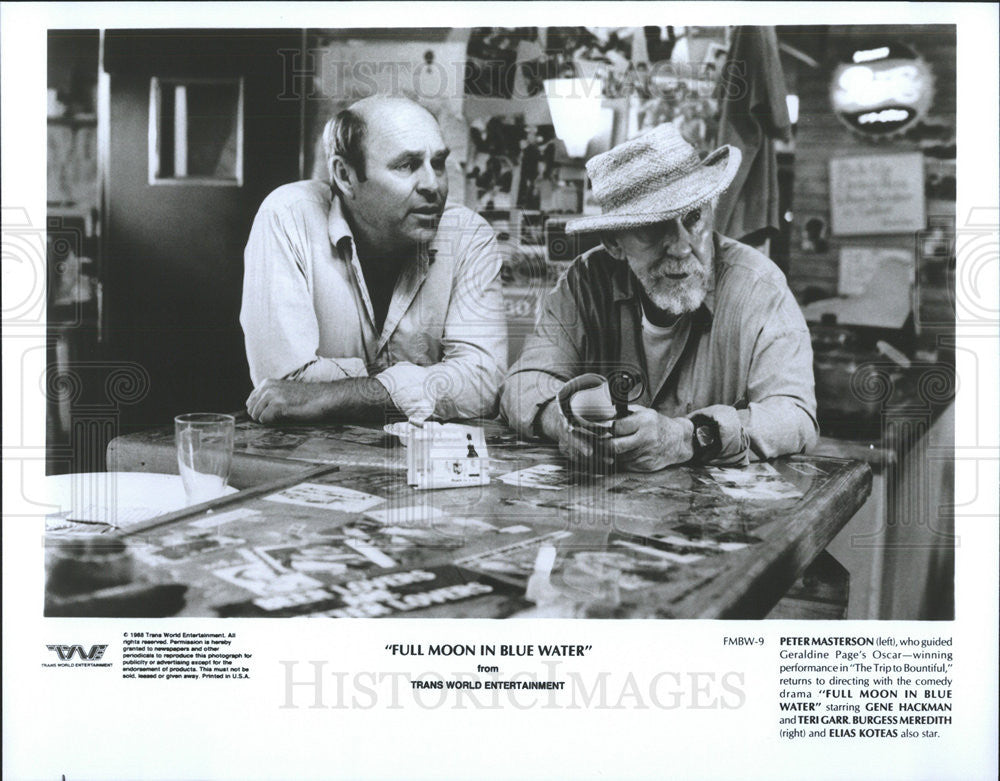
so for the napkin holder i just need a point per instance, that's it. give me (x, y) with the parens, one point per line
(446, 455)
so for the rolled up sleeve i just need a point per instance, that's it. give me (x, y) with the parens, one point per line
(328, 370)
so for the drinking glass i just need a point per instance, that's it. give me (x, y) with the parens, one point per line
(204, 453)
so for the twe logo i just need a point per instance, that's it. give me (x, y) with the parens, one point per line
(66, 652)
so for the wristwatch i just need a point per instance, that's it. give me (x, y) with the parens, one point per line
(705, 440)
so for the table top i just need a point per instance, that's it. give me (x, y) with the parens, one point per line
(349, 537)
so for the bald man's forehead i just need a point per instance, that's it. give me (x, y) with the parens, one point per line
(405, 126)
(377, 107)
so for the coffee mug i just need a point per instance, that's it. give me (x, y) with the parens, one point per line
(586, 403)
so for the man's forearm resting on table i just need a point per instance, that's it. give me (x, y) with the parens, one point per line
(778, 425)
(329, 370)
(774, 425)
(355, 398)
(783, 427)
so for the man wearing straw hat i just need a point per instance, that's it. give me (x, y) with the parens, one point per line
(702, 330)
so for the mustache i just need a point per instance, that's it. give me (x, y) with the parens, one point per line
(690, 267)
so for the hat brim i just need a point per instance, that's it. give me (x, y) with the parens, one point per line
(711, 177)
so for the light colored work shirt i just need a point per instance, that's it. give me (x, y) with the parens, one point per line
(745, 361)
(307, 315)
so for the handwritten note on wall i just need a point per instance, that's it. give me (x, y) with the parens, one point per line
(877, 194)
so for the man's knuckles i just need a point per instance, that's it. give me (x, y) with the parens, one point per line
(625, 427)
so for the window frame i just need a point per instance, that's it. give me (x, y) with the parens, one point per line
(156, 86)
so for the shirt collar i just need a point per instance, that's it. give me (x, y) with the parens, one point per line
(337, 225)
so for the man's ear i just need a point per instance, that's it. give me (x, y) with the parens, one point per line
(613, 245)
(342, 176)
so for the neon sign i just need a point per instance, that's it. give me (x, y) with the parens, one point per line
(881, 90)
(867, 55)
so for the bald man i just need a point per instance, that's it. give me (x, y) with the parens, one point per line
(368, 294)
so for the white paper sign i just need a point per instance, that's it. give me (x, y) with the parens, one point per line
(875, 289)
(858, 266)
(877, 194)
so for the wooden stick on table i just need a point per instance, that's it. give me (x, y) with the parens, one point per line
(225, 501)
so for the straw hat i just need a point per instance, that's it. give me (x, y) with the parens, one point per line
(653, 178)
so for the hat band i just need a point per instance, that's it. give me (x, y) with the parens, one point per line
(648, 184)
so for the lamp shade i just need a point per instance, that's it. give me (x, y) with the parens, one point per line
(575, 106)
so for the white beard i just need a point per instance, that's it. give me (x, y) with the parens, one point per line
(677, 297)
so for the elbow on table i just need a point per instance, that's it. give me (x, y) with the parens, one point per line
(808, 427)
(810, 435)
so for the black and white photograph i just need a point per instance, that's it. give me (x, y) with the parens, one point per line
(614, 378)
(198, 269)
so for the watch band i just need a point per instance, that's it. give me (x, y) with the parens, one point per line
(536, 422)
(706, 441)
